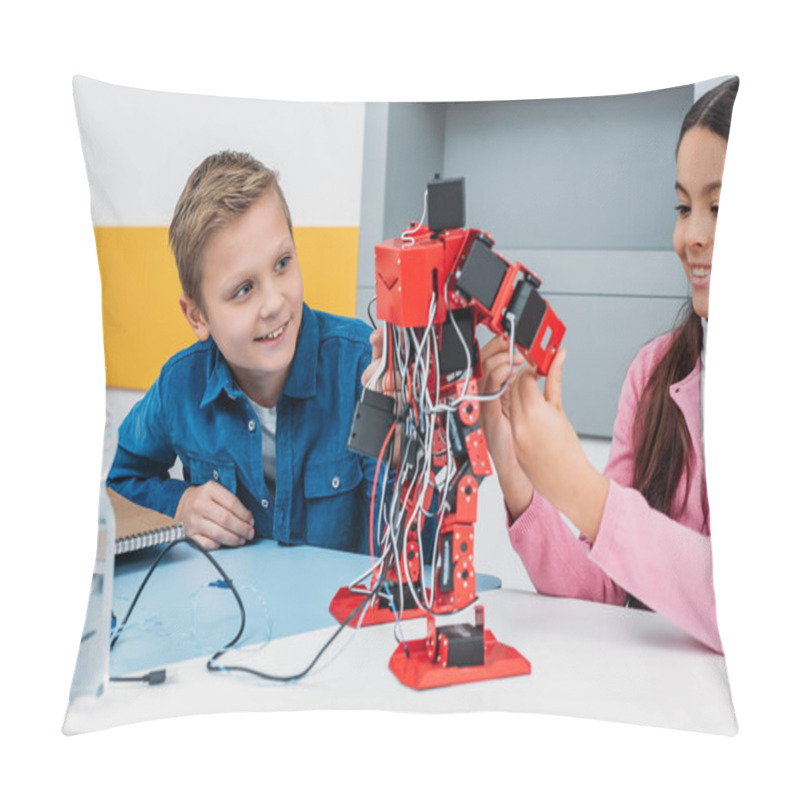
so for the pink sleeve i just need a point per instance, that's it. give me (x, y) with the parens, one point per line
(664, 564)
(661, 562)
(556, 560)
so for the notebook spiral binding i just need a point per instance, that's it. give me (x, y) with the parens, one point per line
(152, 538)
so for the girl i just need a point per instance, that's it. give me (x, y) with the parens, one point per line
(643, 522)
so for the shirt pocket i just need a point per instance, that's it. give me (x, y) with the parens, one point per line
(202, 470)
(332, 492)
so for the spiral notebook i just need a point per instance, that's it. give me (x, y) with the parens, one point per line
(138, 527)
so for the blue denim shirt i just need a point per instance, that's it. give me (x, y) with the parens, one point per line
(195, 411)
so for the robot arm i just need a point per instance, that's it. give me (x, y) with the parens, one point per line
(453, 269)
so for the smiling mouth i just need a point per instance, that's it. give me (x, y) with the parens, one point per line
(701, 271)
(276, 334)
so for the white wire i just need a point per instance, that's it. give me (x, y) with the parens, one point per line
(488, 397)
(416, 355)
(415, 518)
(408, 233)
(480, 398)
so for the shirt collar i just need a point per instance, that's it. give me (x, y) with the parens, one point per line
(220, 379)
(302, 380)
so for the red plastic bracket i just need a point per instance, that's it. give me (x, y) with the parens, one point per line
(416, 670)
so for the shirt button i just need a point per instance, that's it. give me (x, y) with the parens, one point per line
(251, 426)
(335, 482)
(265, 503)
(215, 475)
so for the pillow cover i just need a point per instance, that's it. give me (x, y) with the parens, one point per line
(580, 191)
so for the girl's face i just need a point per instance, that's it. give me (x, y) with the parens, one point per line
(701, 158)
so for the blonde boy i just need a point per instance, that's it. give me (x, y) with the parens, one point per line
(258, 409)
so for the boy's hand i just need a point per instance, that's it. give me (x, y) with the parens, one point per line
(214, 516)
(376, 340)
(386, 384)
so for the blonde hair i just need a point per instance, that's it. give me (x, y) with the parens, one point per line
(222, 188)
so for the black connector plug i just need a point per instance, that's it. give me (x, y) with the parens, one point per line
(152, 678)
(156, 676)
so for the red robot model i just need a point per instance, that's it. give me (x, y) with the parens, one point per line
(434, 286)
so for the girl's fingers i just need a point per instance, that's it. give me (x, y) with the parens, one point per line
(552, 384)
(524, 392)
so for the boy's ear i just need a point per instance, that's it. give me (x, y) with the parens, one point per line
(195, 317)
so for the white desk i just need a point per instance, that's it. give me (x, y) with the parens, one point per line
(588, 660)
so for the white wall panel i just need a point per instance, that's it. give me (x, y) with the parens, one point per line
(145, 144)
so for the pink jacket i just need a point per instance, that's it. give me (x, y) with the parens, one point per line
(663, 561)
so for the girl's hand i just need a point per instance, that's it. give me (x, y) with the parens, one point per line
(496, 367)
(550, 453)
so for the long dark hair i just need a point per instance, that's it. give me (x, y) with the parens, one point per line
(663, 449)
(713, 111)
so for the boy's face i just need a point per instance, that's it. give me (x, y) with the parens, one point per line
(252, 297)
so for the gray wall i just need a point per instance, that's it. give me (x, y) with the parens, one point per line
(579, 190)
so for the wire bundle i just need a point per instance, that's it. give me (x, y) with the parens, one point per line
(430, 459)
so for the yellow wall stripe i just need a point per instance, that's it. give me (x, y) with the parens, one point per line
(142, 321)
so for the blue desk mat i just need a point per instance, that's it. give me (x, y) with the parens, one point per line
(186, 610)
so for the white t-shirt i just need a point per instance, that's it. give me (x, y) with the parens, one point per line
(268, 417)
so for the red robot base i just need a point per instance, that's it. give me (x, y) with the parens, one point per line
(456, 654)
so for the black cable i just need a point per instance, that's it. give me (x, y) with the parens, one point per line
(159, 676)
(150, 571)
(212, 665)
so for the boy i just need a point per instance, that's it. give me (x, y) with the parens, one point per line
(259, 409)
